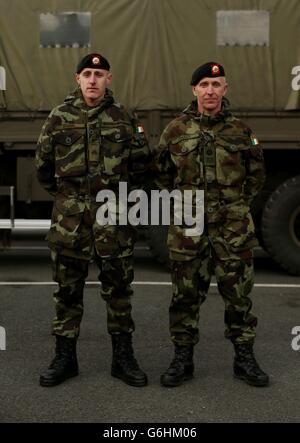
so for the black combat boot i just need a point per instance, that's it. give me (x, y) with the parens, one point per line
(64, 365)
(181, 367)
(245, 366)
(124, 365)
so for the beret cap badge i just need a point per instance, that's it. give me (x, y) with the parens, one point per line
(96, 61)
(215, 70)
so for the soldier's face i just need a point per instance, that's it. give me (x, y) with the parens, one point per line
(209, 93)
(93, 83)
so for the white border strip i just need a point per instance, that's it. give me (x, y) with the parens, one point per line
(141, 283)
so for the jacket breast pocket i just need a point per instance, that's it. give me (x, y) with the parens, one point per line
(186, 157)
(230, 161)
(115, 143)
(70, 155)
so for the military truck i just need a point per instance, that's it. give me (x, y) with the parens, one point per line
(153, 47)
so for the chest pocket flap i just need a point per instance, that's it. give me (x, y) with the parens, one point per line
(116, 134)
(67, 138)
(234, 143)
(184, 144)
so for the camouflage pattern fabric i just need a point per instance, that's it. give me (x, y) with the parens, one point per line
(219, 155)
(191, 280)
(80, 151)
(116, 275)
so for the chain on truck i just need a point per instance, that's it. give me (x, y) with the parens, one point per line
(153, 50)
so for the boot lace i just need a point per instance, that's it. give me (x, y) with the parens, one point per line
(248, 360)
(182, 356)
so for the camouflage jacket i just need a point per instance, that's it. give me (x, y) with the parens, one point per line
(80, 151)
(221, 156)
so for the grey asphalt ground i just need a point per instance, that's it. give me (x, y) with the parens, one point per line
(213, 396)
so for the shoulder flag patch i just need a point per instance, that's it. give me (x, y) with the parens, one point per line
(254, 140)
(139, 129)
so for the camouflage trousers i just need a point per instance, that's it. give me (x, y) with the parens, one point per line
(191, 280)
(116, 275)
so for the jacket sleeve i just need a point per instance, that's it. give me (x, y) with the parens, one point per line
(45, 157)
(255, 171)
(162, 166)
(140, 157)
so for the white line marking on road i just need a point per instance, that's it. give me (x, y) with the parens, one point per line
(140, 283)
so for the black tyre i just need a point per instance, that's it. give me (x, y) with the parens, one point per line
(281, 225)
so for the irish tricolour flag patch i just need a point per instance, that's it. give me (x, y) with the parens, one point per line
(254, 140)
(139, 129)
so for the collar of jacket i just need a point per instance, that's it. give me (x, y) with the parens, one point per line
(76, 99)
(192, 110)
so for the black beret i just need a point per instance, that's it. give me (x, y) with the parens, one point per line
(210, 69)
(94, 61)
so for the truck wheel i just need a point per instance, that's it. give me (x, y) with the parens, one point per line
(157, 242)
(281, 225)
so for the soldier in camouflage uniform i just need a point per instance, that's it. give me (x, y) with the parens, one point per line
(87, 144)
(206, 148)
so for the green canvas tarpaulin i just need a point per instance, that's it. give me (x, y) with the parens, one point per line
(153, 47)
